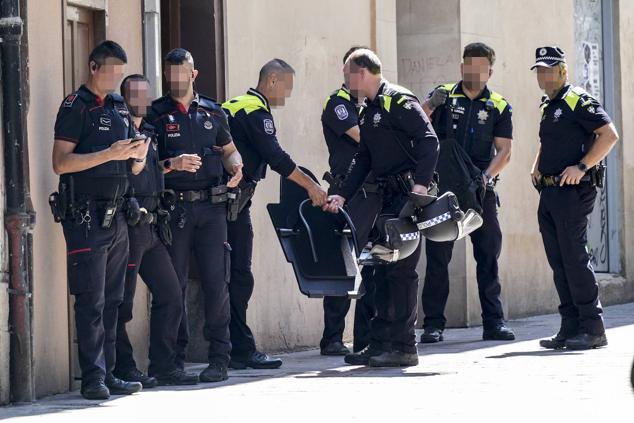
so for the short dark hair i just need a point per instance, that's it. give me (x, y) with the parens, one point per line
(275, 65)
(178, 56)
(366, 59)
(105, 50)
(479, 50)
(123, 89)
(352, 50)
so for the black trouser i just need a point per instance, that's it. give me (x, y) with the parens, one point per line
(363, 209)
(563, 221)
(96, 260)
(396, 295)
(241, 284)
(487, 245)
(149, 258)
(205, 233)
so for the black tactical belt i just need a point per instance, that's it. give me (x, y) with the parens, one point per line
(215, 195)
(555, 180)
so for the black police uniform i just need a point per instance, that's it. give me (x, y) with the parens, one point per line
(566, 134)
(199, 217)
(395, 132)
(255, 138)
(149, 258)
(96, 255)
(339, 115)
(475, 124)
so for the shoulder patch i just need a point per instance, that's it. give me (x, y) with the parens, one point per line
(269, 127)
(341, 112)
(70, 100)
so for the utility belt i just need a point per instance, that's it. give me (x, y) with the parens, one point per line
(157, 217)
(236, 198)
(595, 177)
(403, 183)
(80, 211)
(336, 181)
(215, 195)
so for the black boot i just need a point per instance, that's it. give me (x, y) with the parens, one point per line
(557, 342)
(335, 348)
(586, 341)
(394, 359)
(258, 360)
(121, 387)
(500, 332)
(362, 358)
(215, 372)
(135, 375)
(431, 336)
(177, 377)
(95, 390)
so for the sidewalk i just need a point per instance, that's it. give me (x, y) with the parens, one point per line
(462, 379)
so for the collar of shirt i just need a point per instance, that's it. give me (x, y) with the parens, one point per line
(180, 106)
(484, 94)
(382, 86)
(353, 99)
(562, 93)
(99, 101)
(253, 91)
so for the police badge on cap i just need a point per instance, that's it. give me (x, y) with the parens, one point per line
(547, 57)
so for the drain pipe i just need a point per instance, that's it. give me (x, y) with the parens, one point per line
(19, 217)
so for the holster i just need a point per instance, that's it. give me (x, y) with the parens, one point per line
(163, 226)
(233, 204)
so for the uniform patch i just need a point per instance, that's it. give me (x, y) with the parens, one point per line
(557, 115)
(105, 121)
(341, 112)
(208, 124)
(269, 128)
(172, 127)
(483, 115)
(591, 109)
(376, 119)
(70, 100)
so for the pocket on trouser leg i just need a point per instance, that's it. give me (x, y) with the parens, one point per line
(81, 271)
(227, 262)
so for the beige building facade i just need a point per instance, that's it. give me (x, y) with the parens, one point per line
(420, 43)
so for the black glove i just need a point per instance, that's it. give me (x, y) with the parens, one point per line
(437, 98)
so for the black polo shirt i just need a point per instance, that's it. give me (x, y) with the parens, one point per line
(566, 131)
(395, 132)
(202, 129)
(254, 134)
(339, 115)
(94, 124)
(149, 182)
(475, 123)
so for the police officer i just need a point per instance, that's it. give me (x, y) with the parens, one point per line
(92, 153)
(481, 124)
(194, 144)
(576, 134)
(340, 123)
(148, 232)
(254, 132)
(396, 138)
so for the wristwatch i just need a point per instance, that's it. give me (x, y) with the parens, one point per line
(488, 177)
(167, 164)
(582, 167)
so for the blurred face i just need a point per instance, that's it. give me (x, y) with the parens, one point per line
(355, 78)
(107, 76)
(550, 79)
(180, 78)
(280, 88)
(137, 97)
(476, 72)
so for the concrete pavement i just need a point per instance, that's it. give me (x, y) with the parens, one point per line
(460, 379)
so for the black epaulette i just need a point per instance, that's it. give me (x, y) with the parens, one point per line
(545, 101)
(117, 98)
(208, 103)
(162, 105)
(396, 92)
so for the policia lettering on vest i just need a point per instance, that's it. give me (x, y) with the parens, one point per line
(94, 155)
(196, 148)
(575, 135)
(255, 135)
(478, 120)
(394, 129)
(340, 123)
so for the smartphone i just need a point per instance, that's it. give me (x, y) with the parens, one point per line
(139, 139)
